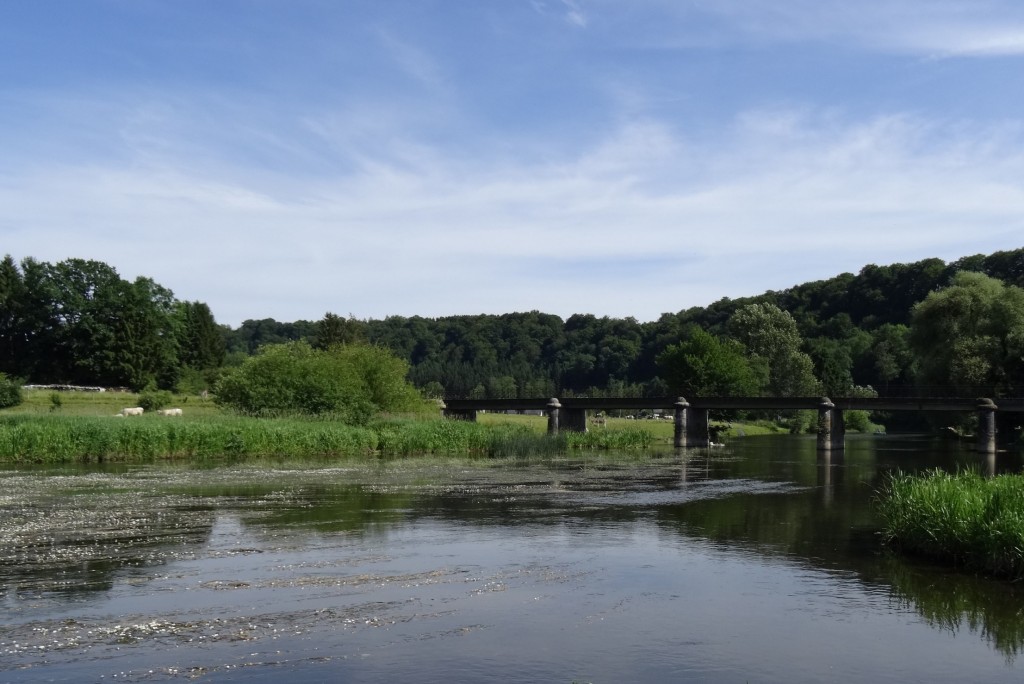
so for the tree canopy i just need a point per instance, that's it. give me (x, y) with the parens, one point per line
(78, 322)
(705, 365)
(968, 338)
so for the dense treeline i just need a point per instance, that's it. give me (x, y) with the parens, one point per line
(923, 326)
(78, 322)
(854, 330)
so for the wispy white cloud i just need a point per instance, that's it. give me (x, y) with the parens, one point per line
(574, 13)
(924, 27)
(783, 197)
(558, 171)
(571, 11)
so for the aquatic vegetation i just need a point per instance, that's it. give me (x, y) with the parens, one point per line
(963, 519)
(627, 438)
(53, 439)
(26, 438)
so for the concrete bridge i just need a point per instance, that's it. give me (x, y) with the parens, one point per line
(692, 421)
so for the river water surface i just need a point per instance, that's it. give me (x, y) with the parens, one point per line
(756, 562)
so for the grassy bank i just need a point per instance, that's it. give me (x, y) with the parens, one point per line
(29, 438)
(964, 519)
(67, 427)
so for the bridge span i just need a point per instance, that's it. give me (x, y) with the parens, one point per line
(691, 417)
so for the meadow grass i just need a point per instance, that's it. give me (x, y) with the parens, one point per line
(49, 402)
(63, 427)
(55, 438)
(964, 519)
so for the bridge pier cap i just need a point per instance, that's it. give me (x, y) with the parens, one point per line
(552, 409)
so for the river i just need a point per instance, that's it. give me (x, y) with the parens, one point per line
(755, 562)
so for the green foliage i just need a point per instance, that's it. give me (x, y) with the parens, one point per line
(964, 519)
(153, 399)
(433, 390)
(969, 337)
(333, 330)
(78, 322)
(703, 365)
(769, 333)
(10, 392)
(350, 382)
(627, 438)
(200, 342)
(59, 439)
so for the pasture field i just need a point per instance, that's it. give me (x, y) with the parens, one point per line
(77, 403)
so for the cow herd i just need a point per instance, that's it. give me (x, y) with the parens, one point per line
(138, 411)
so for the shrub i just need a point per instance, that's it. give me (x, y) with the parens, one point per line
(349, 382)
(10, 392)
(153, 400)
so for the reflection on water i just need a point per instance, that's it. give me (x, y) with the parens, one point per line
(756, 562)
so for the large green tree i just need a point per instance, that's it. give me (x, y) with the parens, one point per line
(703, 365)
(771, 334)
(200, 340)
(968, 338)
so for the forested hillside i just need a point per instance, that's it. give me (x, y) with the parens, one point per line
(929, 326)
(854, 329)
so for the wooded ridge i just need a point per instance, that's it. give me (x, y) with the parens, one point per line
(927, 326)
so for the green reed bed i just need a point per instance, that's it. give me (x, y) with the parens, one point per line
(57, 439)
(67, 439)
(626, 438)
(964, 519)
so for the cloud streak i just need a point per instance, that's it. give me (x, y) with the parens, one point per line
(565, 155)
(932, 29)
(788, 195)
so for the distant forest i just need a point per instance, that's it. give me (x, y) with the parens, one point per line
(925, 327)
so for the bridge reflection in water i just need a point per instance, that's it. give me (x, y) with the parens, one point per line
(692, 422)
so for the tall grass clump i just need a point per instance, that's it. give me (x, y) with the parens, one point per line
(500, 440)
(60, 439)
(963, 519)
(627, 438)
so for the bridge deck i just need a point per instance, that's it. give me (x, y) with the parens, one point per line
(736, 403)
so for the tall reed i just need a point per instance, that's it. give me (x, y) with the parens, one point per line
(28, 438)
(963, 519)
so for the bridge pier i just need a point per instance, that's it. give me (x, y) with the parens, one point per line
(831, 427)
(552, 411)
(986, 426)
(679, 433)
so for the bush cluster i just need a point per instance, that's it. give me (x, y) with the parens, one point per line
(351, 383)
(10, 392)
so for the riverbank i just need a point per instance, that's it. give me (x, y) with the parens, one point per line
(81, 427)
(28, 438)
(965, 520)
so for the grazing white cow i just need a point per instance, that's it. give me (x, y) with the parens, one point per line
(133, 411)
(169, 412)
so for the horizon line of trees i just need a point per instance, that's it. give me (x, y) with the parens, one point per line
(927, 327)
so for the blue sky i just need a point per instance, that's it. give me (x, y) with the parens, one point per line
(285, 158)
